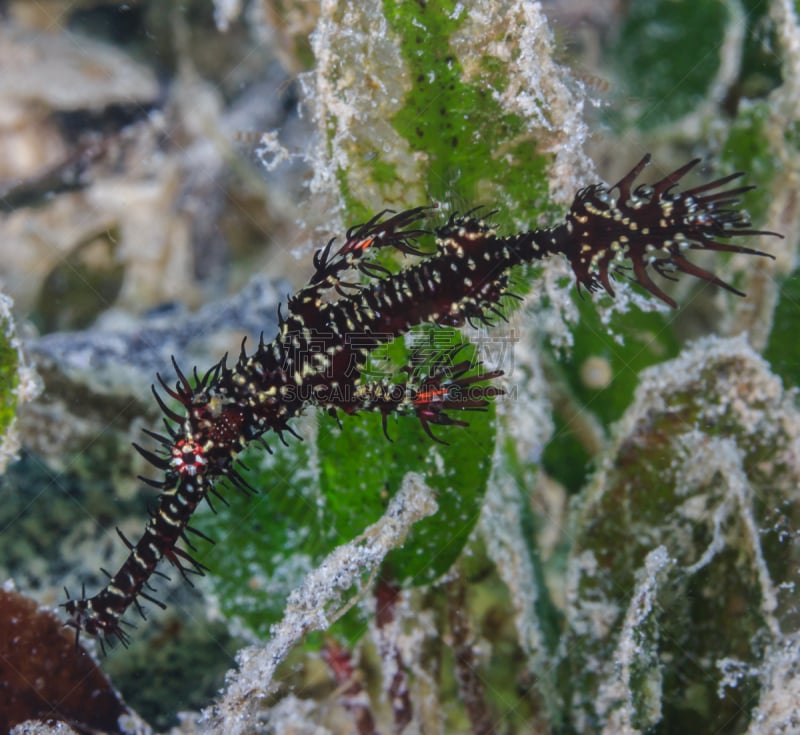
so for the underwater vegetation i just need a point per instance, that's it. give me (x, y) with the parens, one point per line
(609, 545)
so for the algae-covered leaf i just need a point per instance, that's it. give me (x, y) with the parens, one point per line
(637, 680)
(608, 354)
(599, 377)
(453, 112)
(324, 491)
(783, 348)
(45, 676)
(669, 53)
(266, 543)
(18, 383)
(464, 105)
(750, 147)
(361, 470)
(705, 466)
(9, 367)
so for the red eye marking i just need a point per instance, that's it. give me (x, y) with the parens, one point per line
(187, 457)
(429, 396)
(364, 244)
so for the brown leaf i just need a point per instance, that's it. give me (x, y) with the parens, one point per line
(43, 675)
